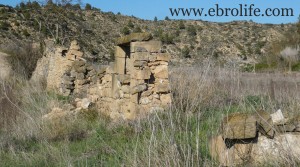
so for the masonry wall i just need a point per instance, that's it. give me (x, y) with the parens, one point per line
(135, 84)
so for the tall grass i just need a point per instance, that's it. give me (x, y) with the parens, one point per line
(202, 95)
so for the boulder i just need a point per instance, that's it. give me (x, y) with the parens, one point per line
(239, 126)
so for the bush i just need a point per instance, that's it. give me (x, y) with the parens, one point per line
(185, 52)
(125, 31)
(181, 25)
(130, 24)
(167, 38)
(4, 26)
(88, 6)
(137, 29)
(191, 30)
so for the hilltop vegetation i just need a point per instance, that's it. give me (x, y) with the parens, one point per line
(189, 41)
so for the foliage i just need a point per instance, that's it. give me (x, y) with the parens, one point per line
(191, 30)
(88, 6)
(130, 24)
(181, 25)
(167, 38)
(185, 52)
(125, 30)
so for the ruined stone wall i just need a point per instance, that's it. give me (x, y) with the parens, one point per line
(135, 84)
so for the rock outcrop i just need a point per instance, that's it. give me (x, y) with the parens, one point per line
(258, 139)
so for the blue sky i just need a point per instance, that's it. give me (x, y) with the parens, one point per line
(160, 8)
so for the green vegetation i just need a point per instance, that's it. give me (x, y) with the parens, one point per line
(88, 6)
(125, 31)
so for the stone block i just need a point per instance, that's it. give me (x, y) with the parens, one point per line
(76, 53)
(138, 89)
(166, 99)
(152, 57)
(131, 111)
(148, 46)
(239, 126)
(81, 82)
(162, 88)
(133, 37)
(77, 64)
(163, 57)
(107, 78)
(105, 92)
(147, 93)
(141, 74)
(140, 56)
(116, 86)
(138, 63)
(125, 89)
(119, 52)
(119, 65)
(145, 101)
(134, 98)
(161, 72)
(129, 65)
(265, 123)
(80, 69)
(80, 76)
(124, 79)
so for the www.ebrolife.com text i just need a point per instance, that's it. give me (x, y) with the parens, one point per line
(239, 11)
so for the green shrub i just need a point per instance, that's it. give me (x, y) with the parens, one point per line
(181, 25)
(296, 67)
(137, 29)
(185, 52)
(130, 24)
(88, 6)
(25, 33)
(125, 31)
(4, 26)
(167, 38)
(191, 30)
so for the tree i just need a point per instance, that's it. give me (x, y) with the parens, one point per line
(167, 18)
(88, 6)
(155, 19)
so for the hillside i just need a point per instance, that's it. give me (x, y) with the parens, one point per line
(188, 41)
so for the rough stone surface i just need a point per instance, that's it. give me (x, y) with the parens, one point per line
(258, 152)
(124, 89)
(150, 46)
(133, 37)
(239, 126)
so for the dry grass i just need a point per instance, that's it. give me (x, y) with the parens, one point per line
(202, 95)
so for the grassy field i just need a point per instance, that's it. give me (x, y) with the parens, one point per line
(202, 95)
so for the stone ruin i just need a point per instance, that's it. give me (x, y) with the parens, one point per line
(257, 139)
(135, 84)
